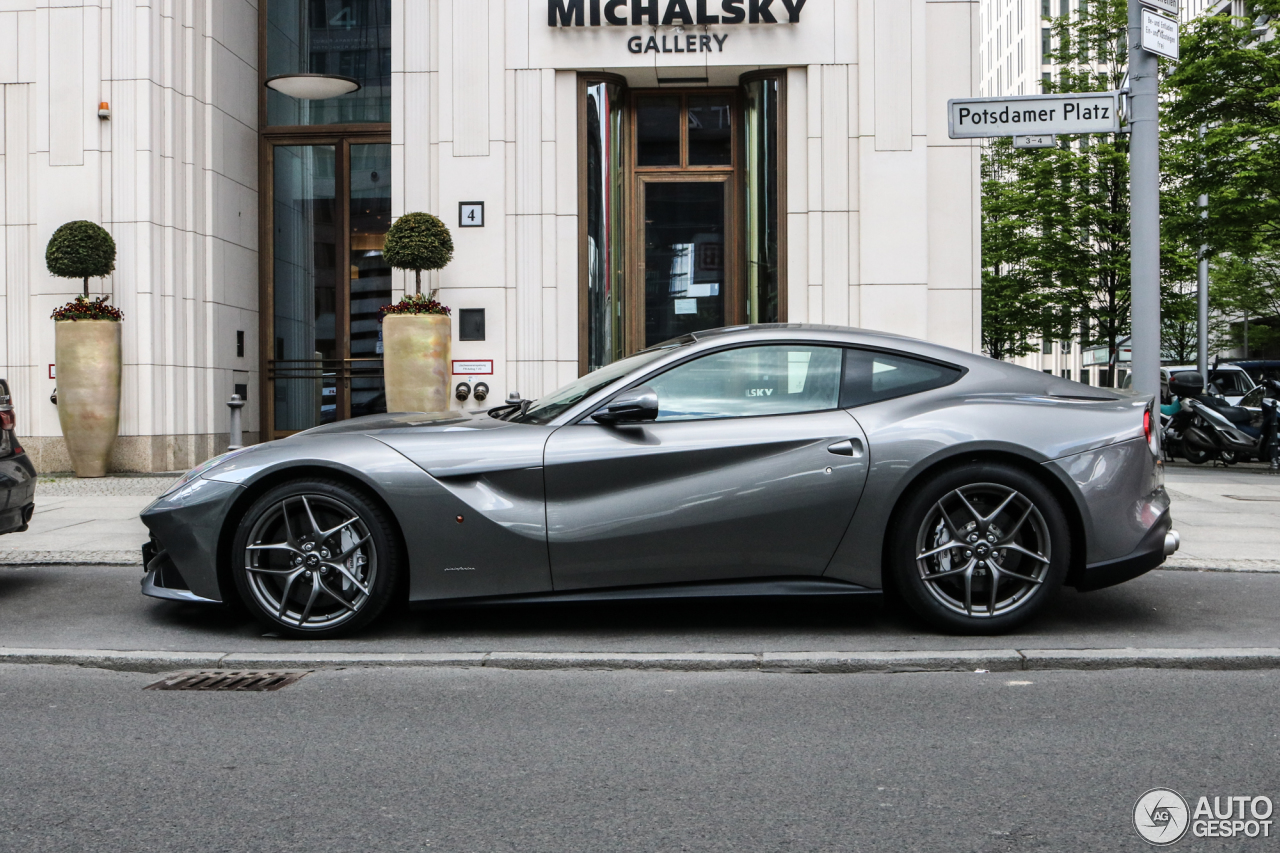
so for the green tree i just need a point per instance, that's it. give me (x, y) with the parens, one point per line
(1228, 83)
(1012, 304)
(418, 241)
(81, 249)
(1061, 216)
(1222, 122)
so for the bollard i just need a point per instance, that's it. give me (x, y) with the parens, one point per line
(235, 404)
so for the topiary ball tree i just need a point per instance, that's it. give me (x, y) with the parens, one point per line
(418, 241)
(81, 249)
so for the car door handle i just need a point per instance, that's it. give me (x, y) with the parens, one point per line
(848, 447)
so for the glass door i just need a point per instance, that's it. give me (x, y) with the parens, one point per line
(330, 213)
(683, 243)
(683, 267)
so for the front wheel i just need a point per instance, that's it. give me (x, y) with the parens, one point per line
(316, 559)
(980, 549)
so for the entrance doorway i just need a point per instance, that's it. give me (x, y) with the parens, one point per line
(681, 229)
(329, 215)
(683, 164)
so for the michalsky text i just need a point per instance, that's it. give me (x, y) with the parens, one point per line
(636, 13)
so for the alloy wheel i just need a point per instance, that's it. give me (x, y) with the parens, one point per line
(983, 550)
(310, 561)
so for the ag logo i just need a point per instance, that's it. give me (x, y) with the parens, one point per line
(1161, 816)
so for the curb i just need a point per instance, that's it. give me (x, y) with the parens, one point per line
(980, 660)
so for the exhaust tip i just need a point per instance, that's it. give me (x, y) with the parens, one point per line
(1171, 542)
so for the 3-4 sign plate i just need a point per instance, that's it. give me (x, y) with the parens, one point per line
(1041, 140)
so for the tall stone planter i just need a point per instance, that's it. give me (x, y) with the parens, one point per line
(416, 349)
(87, 353)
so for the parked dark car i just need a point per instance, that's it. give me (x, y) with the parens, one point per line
(1260, 369)
(17, 474)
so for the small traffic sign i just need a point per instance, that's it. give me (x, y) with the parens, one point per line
(1034, 115)
(1171, 7)
(1039, 140)
(1159, 34)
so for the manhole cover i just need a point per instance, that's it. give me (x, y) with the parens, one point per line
(243, 681)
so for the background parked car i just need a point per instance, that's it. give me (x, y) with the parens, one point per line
(1260, 369)
(17, 474)
(1226, 380)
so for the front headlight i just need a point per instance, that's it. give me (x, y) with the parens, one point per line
(204, 466)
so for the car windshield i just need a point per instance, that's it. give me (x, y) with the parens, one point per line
(546, 409)
(1231, 383)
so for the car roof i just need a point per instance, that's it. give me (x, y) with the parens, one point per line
(1182, 368)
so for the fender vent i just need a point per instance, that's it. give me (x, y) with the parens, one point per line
(244, 681)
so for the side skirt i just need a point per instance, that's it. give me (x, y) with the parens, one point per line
(762, 588)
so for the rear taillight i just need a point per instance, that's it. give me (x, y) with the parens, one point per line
(1146, 425)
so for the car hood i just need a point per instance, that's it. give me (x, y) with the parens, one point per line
(415, 422)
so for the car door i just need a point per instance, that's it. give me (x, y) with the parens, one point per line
(751, 469)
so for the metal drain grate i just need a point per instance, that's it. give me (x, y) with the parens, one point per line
(244, 681)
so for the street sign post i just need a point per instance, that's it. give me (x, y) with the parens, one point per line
(1040, 140)
(1033, 115)
(1144, 207)
(1159, 34)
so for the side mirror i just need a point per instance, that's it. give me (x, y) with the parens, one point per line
(631, 406)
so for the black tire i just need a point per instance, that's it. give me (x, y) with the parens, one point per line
(982, 507)
(1196, 457)
(335, 566)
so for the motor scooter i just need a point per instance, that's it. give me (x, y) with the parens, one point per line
(1208, 427)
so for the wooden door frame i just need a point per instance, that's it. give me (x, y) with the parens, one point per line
(637, 176)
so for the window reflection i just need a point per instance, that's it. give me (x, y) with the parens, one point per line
(658, 131)
(370, 274)
(351, 38)
(305, 243)
(710, 131)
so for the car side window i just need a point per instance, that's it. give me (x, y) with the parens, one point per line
(1253, 399)
(749, 382)
(872, 376)
(1230, 383)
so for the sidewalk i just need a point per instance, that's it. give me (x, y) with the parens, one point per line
(1229, 520)
(86, 522)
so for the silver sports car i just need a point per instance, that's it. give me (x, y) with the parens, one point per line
(761, 460)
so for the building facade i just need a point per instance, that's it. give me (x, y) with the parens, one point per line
(614, 172)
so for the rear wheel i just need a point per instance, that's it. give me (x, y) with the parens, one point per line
(1194, 456)
(315, 558)
(980, 549)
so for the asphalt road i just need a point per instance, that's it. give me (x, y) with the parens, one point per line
(101, 608)
(475, 760)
